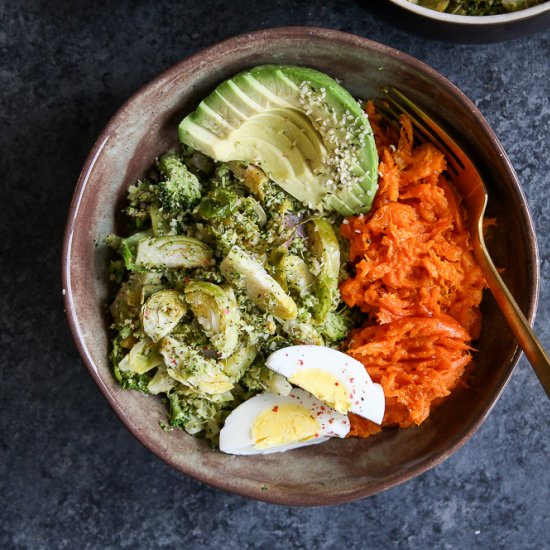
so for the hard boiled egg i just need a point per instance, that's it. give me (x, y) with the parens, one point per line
(270, 423)
(335, 378)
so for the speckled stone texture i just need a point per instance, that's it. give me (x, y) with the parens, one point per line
(71, 476)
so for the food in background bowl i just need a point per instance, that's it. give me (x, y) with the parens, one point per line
(474, 21)
(477, 7)
(146, 127)
(231, 278)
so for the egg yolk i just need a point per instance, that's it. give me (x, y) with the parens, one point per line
(283, 424)
(324, 386)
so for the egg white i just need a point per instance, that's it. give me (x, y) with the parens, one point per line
(367, 398)
(236, 434)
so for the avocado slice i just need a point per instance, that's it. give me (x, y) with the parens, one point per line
(306, 132)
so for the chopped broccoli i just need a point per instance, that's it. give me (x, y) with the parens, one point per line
(259, 378)
(178, 418)
(195, 414)
(140, 197)
(132, 380)
(181, 189)
(127, 379)
(338, 324)
(223, 177)
(219, 203)
(113, 241)
(117, 270)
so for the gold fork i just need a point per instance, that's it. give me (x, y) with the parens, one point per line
(468, 182)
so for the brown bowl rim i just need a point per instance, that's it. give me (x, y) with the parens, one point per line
(321, 34)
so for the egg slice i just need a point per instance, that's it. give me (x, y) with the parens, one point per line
(270, 423)
(335, 378)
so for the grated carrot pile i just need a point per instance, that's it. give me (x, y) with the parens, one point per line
(416, 279)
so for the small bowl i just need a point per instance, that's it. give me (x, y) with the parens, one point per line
(465, 28)
(145, 126)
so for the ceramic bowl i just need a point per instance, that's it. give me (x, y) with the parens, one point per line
(145, 126)
(464, 28)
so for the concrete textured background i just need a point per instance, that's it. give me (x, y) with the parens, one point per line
(71, 476)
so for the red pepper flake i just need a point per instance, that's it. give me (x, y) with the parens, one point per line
(316, 435)
(336, 384)
(300, 362)
(226, 311)
(351, 380)
(330, 420)
(351, 395)
(275, 408)
(319, 413)
(322, 407)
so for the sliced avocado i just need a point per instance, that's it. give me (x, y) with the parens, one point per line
(305, 131)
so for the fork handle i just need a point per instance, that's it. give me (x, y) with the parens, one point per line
(529, 343)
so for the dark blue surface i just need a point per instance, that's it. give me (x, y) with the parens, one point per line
(71, 476)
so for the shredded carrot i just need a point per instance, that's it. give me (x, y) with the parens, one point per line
(416, 279)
